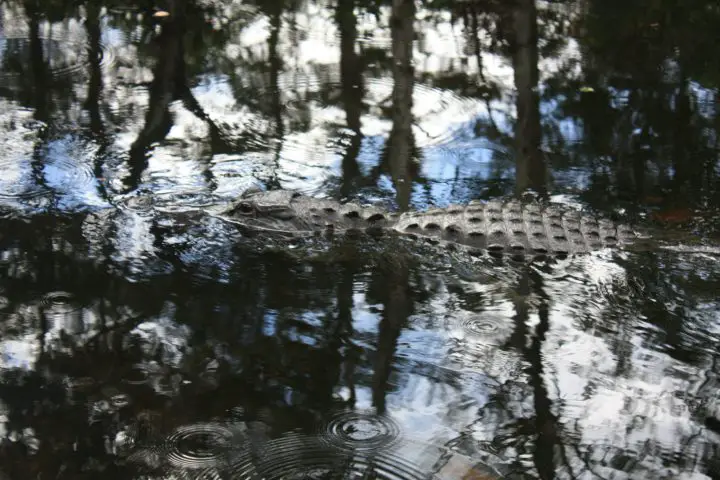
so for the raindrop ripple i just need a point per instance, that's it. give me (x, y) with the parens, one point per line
(200, 445)
(359, 431)
(309, 457)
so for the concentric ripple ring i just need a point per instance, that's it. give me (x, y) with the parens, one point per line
(481, 329)
(359, 431)
(199, 445)
(308, 457)
(60, 302)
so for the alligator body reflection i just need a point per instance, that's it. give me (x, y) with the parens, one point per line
(501, 227)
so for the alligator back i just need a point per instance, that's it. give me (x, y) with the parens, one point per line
(516, 228)
(497, 226)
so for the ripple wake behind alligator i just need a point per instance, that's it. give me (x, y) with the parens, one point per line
(500, 227)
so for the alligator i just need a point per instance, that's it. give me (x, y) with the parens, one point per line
(498, 227)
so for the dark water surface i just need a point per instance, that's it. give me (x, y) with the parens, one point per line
(141, 338)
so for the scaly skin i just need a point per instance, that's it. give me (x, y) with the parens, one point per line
(497, 226)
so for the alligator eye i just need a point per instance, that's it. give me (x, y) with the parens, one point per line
(245, 208)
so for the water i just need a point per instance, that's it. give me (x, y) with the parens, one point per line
(142, 338)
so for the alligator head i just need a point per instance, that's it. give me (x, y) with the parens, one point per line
(286, 211)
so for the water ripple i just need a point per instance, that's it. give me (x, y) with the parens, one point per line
(302, 457)
(310, 104)
(139, 374)
(359, 431)
(64, 57)
(60, 302)
(60, 167)
(20, 177)
(440, 116)
(479, 329)
(138, 202)
(200, 445)
(66, 170)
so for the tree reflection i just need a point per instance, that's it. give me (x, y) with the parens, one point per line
(400, 142)
(530, 170)
(353, 91)
(122, 324)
